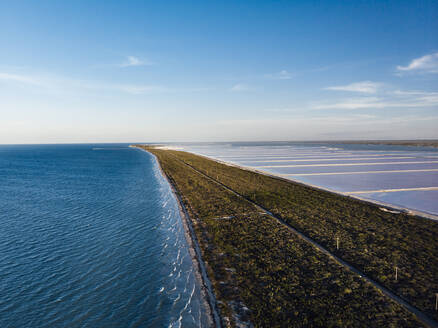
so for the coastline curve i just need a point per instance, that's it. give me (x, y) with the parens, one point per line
(208, 297)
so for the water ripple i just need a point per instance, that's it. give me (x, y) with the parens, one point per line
(91, 239)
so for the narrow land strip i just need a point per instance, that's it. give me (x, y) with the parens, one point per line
(373, 241)
(390, 190)
(346, 164)
(327, 159)
(422, 316)
(358, 172)
(274, 271)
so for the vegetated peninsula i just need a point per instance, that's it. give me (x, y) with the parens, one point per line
(257, 236)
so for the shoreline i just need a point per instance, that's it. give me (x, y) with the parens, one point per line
(198, 178)
(386, 206)
(209, 302)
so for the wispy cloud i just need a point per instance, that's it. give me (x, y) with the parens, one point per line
(239, 87)
(351, 103)
(425, 64)
(138, 89)
(379, 95)
(57, 84)
(135, 61)
(282, 75)
(390, 99)
(20, 79)
(363, 87)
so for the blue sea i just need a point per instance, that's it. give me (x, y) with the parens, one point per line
(91, 236)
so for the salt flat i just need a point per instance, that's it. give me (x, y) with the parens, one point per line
(397, 175)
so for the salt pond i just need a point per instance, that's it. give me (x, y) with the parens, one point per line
(398, 175)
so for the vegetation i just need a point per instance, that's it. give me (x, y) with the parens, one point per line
(374, 241)
(261, 271)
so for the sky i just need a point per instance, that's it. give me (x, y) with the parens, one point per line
(174, 71)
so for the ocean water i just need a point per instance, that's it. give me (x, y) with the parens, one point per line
(91, 236)
(401, 176)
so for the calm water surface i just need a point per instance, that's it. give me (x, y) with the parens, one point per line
(91, 237)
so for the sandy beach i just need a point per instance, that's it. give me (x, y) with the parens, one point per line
(208, 297)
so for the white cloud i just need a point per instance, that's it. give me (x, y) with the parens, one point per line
(354, 103)
(363, 87)
(20, 79)
(425, 64)
(135, 61)
(393, 99)
(282, 75)
(139, 89)
(239, 87)
(379, 95)
(57, 85)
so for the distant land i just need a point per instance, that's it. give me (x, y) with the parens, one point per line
(412, 143)
(416, 143)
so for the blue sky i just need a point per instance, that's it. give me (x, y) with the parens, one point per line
(112, 71)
